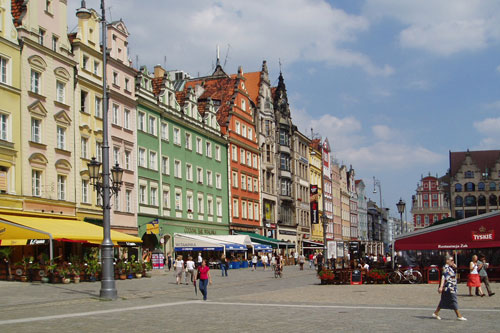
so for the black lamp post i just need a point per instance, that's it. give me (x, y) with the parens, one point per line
(401, 209)
(101, 181)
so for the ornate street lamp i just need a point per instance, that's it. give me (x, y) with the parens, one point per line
(101, 181)
(401, 209)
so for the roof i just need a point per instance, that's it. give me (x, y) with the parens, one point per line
(316, 144)
(252, 84)
(483, 159)
(18, 8)
(157, 84)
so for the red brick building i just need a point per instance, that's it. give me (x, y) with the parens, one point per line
(430, 204)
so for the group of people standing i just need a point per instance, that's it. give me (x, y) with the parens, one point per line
(196, 271)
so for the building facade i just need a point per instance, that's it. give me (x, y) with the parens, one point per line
(474, 182)
(345, 201)
(316, 190)
(362, 210)
(337, 206)
(301, 186)
(353, 204)
(327, 187)
(430, 203)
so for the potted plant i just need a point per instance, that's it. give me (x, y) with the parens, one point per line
(35, 269)
(137, 267)
(377, 275)
(149, 268)
(121, 266)
(75, 270)
(5, 253)
(326, 276)
(64, 273)
(24, 263)
(50, 273)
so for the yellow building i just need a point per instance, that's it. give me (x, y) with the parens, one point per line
(10, 107)
(89, 110)
(315, 175)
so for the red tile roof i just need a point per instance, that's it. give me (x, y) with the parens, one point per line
(18, 8)
(482, 159)
(180, 96)
(157, 85)
(316, 144)
(252, 85)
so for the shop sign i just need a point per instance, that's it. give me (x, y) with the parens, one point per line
(199, 231)
(287, 232)
(332, 249)
(483, 234)
(267, 211)
(153, 227)
(37, 242)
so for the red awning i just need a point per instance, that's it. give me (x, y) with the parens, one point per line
(472, 233)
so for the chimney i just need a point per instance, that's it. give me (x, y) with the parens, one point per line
(159, 71)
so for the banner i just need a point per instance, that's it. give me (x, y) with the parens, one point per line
(332, 249)
(153, 227)
(267, 209)
(314, 204)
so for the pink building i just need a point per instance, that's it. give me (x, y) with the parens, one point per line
(430, 204)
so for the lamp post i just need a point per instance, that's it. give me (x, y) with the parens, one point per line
(401, 209)
(103, 185)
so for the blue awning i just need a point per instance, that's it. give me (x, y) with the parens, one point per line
(198, 248)
(235, 247)
(262, 247)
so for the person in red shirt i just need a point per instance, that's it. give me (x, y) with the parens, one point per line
(205, 278)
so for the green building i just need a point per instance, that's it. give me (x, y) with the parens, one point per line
(181, 161)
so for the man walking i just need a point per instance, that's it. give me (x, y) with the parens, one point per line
(483, 274)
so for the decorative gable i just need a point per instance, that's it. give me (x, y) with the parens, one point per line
(37, 62)
(38, 109)
(62, 73)
(63, 118)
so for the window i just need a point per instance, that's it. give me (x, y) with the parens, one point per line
(285, 162)
(250, 210)
(61, 187)
(116, 114)
(152, 125)
(493, 200)
(117, 202)
(200, 204)
(426, 220)
(244, 131)
(127, 84)
(481, 200)
(209, 178)
(285, 187)
(469, 174)
(35, 82)
(142, 194)
(60, 92)
(4, 129)
(142, 157)
(85, 191)
(210, 205)
(217, 153)
(426, 197)
(177, 169)
(54, 43)
(243, 182)
(164, 131)
(249, 183)
(178, 199)
(61, 138)
(128, 201)
(189, 201)
(153, 163)
(284, 138)
(254, 162)
(235, 179)
(199, 146)
(235, 208)
(3, 69)
(470, 187)
(218, 181)
(98, 151)
(242, 156)
(255, 185)
(250, 133)
(189, 172)
(219, 207)
(493, 186)
(234, 153)
(189, 144)
(470, 201)
(209, 149)
(116, 155)
(165, 165)
(83, 102)
(244, 209)
(458, 187)
(98, 107)
(85, 61)
(434, 197)
(96, 67)
(127, 160)
(84, 148)
(243, 105)
(153, 197)
(48, 5)
(115, 79)
(249, 158)
(36, 183)
(166, 198)
(140, 121)
(177, 136)
(199, 175)
(256, 211)
(419, 220)
(238, 129)
(41, 36)
(126, 119)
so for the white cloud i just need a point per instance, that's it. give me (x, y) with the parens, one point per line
(489, 129)
(293, 30)
(383, 132)
(441, 27)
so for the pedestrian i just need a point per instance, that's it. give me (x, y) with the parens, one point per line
(473, 279)
(273, 262)
(264, 261)
(200, 259)
(296, 257)
(319, 260)
(146, 255)
(448, 290)
(179, 269)
(255, 259)
(223, 265)
(205, 278)
(169, 261)
(311, 260)
(483, 274)
(302, 261)
(189, 270)
(269, 257)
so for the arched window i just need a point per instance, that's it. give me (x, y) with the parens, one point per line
(469, 174)
(458, 187)
(481, 186)
(419, 220)
(470, 187)
(470, 201)
(481, 200)
(459, 202)
(493, 200)
(493, 186)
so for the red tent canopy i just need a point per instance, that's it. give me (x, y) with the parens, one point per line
(471, 233)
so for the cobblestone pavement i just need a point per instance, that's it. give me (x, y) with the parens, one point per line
(246, 301)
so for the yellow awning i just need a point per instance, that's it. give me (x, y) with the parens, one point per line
(69, 229)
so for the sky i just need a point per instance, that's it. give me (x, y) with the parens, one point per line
(394, 84)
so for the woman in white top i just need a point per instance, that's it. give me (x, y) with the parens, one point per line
(473, 279)
(255, 259)
(189, 269)
(264, 261)
(179, 269)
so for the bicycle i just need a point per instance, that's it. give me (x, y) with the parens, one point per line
(410, 275)
(278, 272)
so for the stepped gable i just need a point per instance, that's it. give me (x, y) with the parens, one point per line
(252, 84)
(18, 9)
(157, 83)
(483, 159)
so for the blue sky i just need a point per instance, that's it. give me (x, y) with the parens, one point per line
(394, 84)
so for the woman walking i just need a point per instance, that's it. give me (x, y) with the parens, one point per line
(189, 269)
(205, 278)
(448, 290)
(473, 279)
(264, 260)
(169, 261)
(255, 259)
(179, 269)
